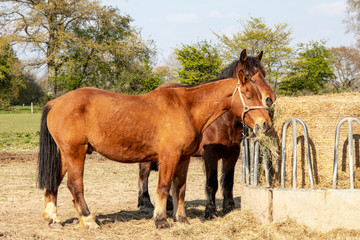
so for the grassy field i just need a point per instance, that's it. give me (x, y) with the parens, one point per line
(19, 130)
(21, 110)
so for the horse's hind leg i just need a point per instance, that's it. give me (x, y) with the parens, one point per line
(50, 199)
(227, 179)
(144, 197)
(178, 191)
(75, 162)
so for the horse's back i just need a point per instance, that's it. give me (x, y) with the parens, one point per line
(126, 128)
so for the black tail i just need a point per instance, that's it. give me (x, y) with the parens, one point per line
(49, 162)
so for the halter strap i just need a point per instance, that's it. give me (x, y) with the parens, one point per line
(246, 108)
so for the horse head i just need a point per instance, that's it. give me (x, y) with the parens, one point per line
(252, 68)
(267, 95)
(247, 105)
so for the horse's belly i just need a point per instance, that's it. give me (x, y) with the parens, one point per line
(128, 155)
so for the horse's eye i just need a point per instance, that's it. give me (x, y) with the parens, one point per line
(248, 96)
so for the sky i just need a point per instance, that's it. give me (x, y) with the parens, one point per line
(171, 22)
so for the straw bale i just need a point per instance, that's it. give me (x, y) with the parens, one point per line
(321, 114)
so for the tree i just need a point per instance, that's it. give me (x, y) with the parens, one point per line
(166, 73)
(105, 54)
(31, 93)
(256, 36)
(353, 18)
(50, 27)
(346, 68)
(200, 62)
(310, 71)
(11, 81)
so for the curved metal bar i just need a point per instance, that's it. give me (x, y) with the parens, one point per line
(245, 155)
(283, 152)
(243, 162)
(266, 166)
(294, 153)
(251, 143)
(250, 164)
(350, 145)
(256, 163)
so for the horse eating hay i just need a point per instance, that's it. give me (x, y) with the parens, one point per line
(164, 125)
(221, 140)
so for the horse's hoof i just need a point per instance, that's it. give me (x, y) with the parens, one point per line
(144, 201)
(145, 205)
(88, 222)
(182, 219)
(55, 224)
(228, 208)
(160, 224)
(210, 214)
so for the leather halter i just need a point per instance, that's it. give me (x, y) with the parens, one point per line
(246, 108)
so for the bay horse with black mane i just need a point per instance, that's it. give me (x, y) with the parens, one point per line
(221, 140)
(165, 125)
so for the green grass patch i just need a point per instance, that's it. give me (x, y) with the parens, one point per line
(10, 142)
(21, 110)
(20, 123)
(19, 132)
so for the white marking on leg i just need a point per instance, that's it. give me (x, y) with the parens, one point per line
(49, 212)
(88, 222)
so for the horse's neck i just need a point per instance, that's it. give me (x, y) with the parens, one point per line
(209, 101)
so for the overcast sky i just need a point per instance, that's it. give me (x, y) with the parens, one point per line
(172, 22)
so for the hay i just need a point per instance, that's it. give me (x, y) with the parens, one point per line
(269, 142)
(321, 114)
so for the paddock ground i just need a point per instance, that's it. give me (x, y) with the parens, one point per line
(111, 194)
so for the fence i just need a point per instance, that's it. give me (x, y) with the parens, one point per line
(321, 209)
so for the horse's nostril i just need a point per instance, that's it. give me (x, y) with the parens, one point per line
(265, 126)
(269, 101)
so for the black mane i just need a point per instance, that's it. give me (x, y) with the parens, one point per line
(200, 83)
(250, 66)
(228, 71)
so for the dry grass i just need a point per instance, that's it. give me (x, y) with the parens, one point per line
(111, 193)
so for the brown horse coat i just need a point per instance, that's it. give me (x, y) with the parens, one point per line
(165, 124)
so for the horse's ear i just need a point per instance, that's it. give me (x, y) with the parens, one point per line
(243, 56)
(241, 77)
(260, 55)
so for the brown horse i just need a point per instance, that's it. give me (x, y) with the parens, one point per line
(165, 125)
(221, 140)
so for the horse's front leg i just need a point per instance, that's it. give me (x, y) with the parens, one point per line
(178, 190)
(227, 179)
(211, 158)
(167, 166)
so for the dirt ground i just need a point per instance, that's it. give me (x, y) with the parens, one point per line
(111, 194)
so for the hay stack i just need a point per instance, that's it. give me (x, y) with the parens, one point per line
(321, 114)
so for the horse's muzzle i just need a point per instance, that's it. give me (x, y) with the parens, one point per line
(263, 128)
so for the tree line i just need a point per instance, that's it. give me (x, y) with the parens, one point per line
(81, 43)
